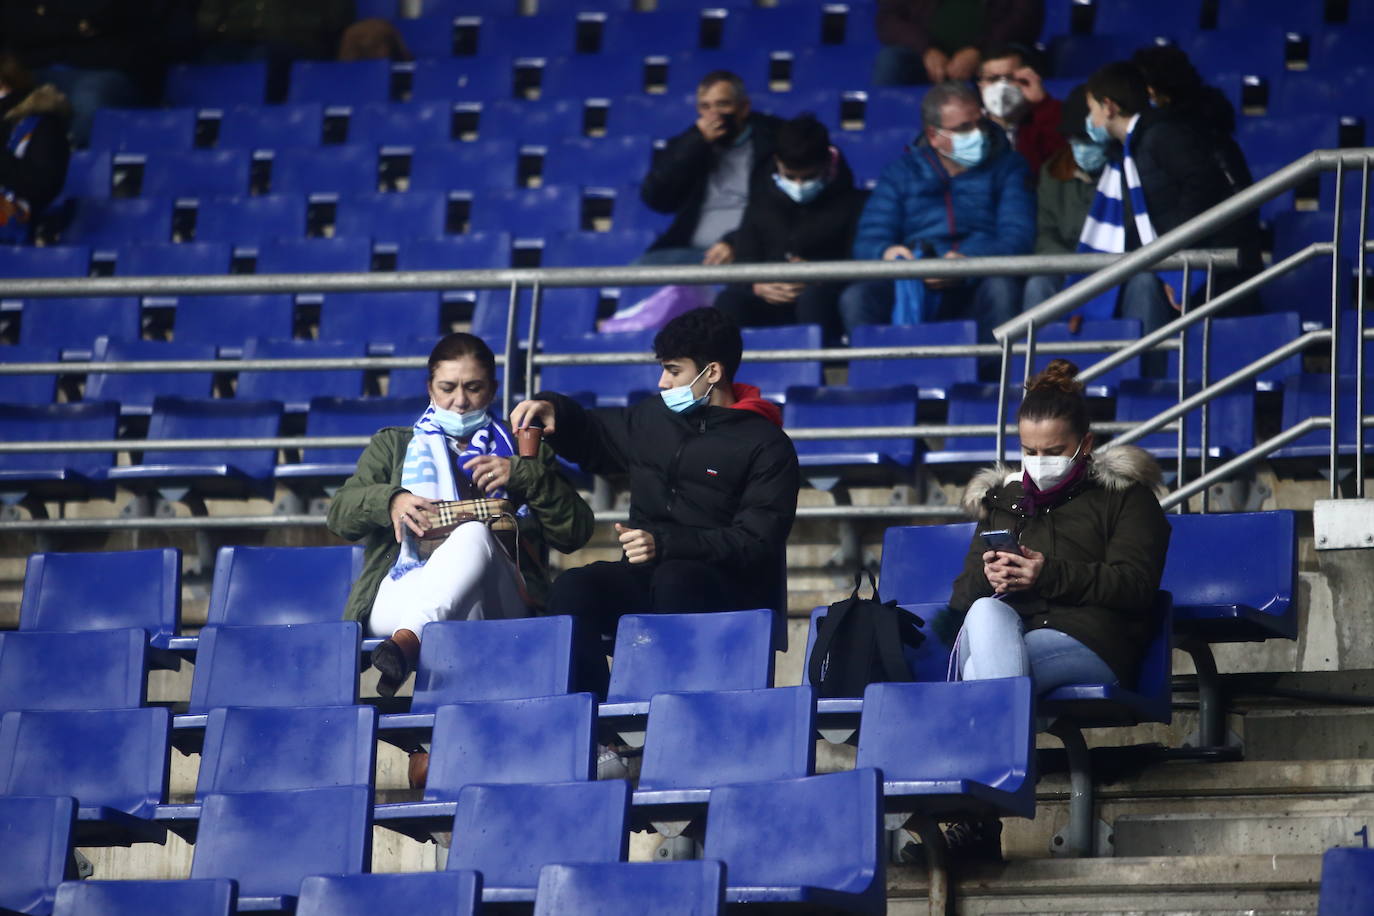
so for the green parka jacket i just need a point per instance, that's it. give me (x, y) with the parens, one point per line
(558, 516)
(1104, 548)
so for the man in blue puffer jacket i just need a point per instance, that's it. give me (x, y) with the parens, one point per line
(960, 192)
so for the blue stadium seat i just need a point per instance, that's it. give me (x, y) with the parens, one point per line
(780, 28)
(411, 383)
(831, 67)
(113, 761)
(1347, 881)
(450, 893)
(1271, 143)
(1306, 92)
(1236, 342)
(119, 222)
(38, 841)
(932, 376)
(340, 82)
(226, 322)
(344, 417)
(203, 896)
(1254, 49)
(389, 219)
(1046, 337)
(873, 150)
(840, 867)
(536, 740)
(466, 660)
(1082, 55)
(136, 391)
(890, 109)
(271, 127)
(27, 262)
(347, 169)
(70, 592)
(1308, 288)
(615, 383)
(1341, 49)
(196, 173)
(657, 116)
(218, 85)
(585, 76)
(32, 478)
(143, 130)
(658, 33)
(469, 251)
(629, 212)
(275, 586)
(72, 324)
(295, 388)
(1241, 14)
(276, 666)
(970, 405)
(1129, 17)
(579, 822)
(402, 124)
(465, 79)
(823, 407)
(320, 256)
(251, 220)
(677, 888)
(270, 841)
(564, 312)
(597, 161)
(598, 249)
(102, 669)
(37, 389)
(211, 472)
(428, 36)
(379, 321)
(500, 37)
(90, 173)
(528, 212)
(920, 562)
(464, 166)
(165, 259)
(1230, 419)
(773, 379)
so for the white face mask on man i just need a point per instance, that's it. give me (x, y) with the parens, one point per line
(1003, 99)
(1046, 471)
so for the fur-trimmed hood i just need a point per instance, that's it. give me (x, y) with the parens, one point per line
(1114, 467)
(47, 99)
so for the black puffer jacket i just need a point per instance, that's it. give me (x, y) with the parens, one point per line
(717, 485)
(775, 225)
(36, 174)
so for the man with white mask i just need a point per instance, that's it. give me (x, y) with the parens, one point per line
(1015, 99)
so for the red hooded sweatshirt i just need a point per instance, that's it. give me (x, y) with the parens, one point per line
(747, 397)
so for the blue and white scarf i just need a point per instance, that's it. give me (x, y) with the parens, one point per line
(1104, 230)
(428, 471)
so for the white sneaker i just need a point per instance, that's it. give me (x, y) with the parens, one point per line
(610, 765)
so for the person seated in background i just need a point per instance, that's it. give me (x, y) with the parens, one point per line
(33, 149)
(373, 39)
(1015, 99)
(807, 211)
(704, 175)
(960, 192)
(1072, 602)
(1068, 183)
(455, 450)
(713, 489)
(930, 41)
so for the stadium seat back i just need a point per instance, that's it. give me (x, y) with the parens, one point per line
(462, 660)
(74, 323)
(340, 82)
(933, 376)
(827, 407)
(71, 592)
(102, 669)
(271, 127)
(218, 85)
(251, 220)
(202, 896)
(449, 893)
(262, 586)
(306, 664)
(196, 173)
(296, 387)
(921, 562)
(38, 841)
(143, 130)
(226, 322)
(660, 653)
(272, 750)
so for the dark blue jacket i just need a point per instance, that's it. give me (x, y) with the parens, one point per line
(992, 208)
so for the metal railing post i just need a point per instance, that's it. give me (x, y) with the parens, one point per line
(1334, 463)
(512, 342)
(1003, 377)
(536, 303)
(1204, 434)
(1359, 332)
(1026, 369)
(1183, 386)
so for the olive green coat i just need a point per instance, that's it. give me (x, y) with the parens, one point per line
(558, 516)
(1104, 548)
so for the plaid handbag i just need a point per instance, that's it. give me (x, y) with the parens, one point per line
(444, 516)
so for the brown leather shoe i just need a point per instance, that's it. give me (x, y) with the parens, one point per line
(395, 658)
(419, 769)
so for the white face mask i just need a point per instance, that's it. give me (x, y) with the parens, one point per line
(1048, 470)
(1003, 99)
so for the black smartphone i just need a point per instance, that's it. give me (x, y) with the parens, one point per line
(1001, 540)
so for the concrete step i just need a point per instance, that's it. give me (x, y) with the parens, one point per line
(1309, 734)
(1228, 826)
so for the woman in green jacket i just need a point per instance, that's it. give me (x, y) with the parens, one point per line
(455, 450)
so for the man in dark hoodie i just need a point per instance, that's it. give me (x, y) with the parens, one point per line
(807, 210)
(713, 488)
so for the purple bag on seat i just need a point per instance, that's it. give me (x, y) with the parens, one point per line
(657, 309)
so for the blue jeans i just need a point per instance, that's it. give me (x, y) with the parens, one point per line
(660, 256)
(989, 301)
(993, 643)
(1039, 288)
(1142, 297)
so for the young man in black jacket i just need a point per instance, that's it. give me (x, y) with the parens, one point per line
(805, 210)
(704, 174)
(713, 488)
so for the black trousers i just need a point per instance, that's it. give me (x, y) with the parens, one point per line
(819, 303)
(600, 593)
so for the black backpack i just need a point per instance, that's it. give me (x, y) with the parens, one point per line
(859, 642)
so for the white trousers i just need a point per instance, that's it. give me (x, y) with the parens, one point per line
(468, 577)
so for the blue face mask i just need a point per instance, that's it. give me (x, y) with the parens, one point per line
(459, 425)
(681, 400)
(1091, 157)
(1095, 134)
(967, 148)
(803, 192)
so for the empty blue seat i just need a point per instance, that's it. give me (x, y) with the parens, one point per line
(1271, 143)
(37, 388)
(73, 324)
(273, 586)
(319, 256)
(564, 313)
(540, 123)
(202, 896)
(932, 376)
(639, 115)
(226, 322)
(979, 740)
(1127, 17)
(196, 173)
(831, 67)
(208, 472)
(1310, 396)
(676, 888)
(971, 405)
(578, 821)
(658, 33)
(469, 251)
(26, 261)
(536, 740)
(614, 383)
(1345, 48)
(348, 169)
(295, 388)
(841, 865)
(143, 130)
(585, 76)
(101, 669)
(462, 79)
(774, 378)
(119, 222)
(114, 762)
(598, 161)
(70, 592)
(408, 124)
(251, 220)
(271, 127)
(269, 842)
(512, 36)
(1242, 14)
(528, 212)
(598, 249)
(824, 407)
(379, 321)
(90, 173)
(464, 660)
(1046, 337)
(1307, 288)
(1347, 881)
(347, 417)
(486, 163)
(285, 665)
(340, 82)
(391, 218)
(1082, 55)
(218, 85)
(137, 391)
(875, 149)
(38, 841)
(780, 28)
(1236, 342)
(449, 893)
(160, 260)
(1230, 419)
(428, 36)
(411, 383)
(1298, 93)
(921, 562)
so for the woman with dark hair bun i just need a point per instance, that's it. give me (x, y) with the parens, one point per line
(1069, 598)
(455, 450)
